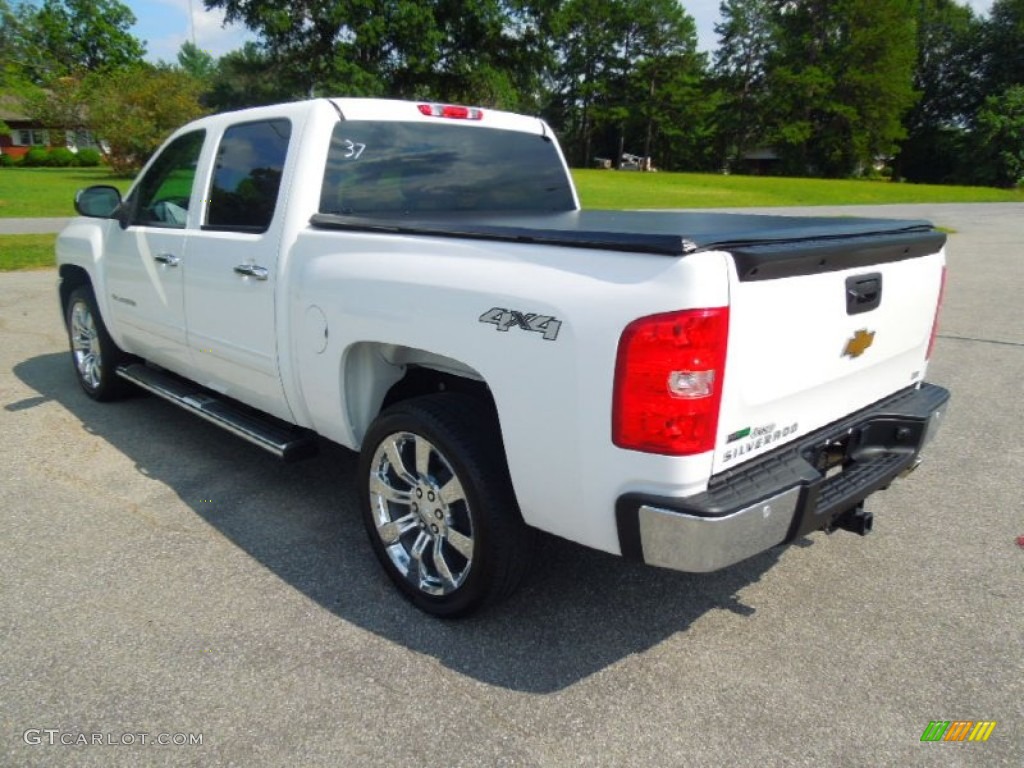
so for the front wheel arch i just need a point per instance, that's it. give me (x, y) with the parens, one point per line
(71, 277)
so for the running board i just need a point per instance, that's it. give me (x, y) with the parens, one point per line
(285, 441)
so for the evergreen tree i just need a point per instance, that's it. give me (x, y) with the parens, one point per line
(249, 78)
(840, 82)
(1004, 46)
(197, 62)
(588, 32)
(746, 36)
(629, 78)
(948, 79)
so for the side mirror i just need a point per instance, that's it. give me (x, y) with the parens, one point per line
(98, 202)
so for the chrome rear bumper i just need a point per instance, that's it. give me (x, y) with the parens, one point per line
(785, 494)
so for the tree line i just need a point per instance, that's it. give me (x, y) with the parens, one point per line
(927, 89)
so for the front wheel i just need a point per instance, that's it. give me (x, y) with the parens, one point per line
(438, 504)
(93, 352)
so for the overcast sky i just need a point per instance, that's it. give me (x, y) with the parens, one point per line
(164, 25)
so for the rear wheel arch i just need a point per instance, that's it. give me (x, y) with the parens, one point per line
(377, 376)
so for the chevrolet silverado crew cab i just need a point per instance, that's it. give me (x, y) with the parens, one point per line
(417, 282)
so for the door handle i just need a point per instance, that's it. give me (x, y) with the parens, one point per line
(167, 258)
(251, 270)
(863, 293)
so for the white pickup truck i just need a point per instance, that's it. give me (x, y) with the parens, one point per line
(417, 282)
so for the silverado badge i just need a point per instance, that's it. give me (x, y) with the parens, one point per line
(861, 340)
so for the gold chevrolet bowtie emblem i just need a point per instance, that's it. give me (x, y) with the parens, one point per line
(861, 340)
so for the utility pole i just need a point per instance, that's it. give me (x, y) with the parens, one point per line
(192, 22)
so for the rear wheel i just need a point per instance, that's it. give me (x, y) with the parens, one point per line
(438, 504)
(93, 352)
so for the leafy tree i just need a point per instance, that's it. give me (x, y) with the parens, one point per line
(61, 106)
(51, 51)
(995, 141)
(479, 51)
(134, 110)
(71, 37)
(9, 36)
(484, 51)
(355, 43)
(999, 139)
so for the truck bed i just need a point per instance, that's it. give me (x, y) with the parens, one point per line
(763, 246)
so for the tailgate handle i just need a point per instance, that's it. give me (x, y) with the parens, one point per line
(863, 293)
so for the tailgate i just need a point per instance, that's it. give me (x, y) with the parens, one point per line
(819, 329)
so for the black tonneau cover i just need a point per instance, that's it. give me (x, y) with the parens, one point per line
(763, 247)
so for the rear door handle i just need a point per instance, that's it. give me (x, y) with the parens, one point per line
(167, 258)
(251, 270)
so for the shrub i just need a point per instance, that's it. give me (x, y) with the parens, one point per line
(62, 157)
(35, 157)
(6, 161)
(89, 158)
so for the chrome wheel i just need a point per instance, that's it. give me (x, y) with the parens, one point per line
(438, 503)
(85, 345)
(421, 514)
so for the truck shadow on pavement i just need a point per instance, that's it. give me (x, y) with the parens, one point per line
(579, 611)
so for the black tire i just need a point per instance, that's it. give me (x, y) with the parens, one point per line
(94, 355)
(473, 547)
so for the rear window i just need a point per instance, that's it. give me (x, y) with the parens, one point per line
(396, 167)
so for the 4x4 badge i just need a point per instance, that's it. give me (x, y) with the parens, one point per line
(861, 340)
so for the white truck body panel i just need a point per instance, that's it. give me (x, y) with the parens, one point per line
(786, 367)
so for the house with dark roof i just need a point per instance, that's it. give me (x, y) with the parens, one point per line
(26, 132)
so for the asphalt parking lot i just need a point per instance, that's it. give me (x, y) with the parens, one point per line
(163, 577)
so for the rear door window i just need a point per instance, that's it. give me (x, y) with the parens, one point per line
(247, 176)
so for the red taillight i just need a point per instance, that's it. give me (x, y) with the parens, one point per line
(938, 309)
(452, 111)
(668, 382)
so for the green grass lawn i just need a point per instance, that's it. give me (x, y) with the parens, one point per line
(26, 252)
(29, 192)
(625, 189)
(26, 192)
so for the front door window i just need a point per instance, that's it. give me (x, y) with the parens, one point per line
(162, 197)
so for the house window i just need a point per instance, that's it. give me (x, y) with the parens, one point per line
(77, 140)
(32, 137)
